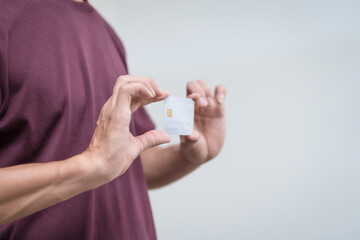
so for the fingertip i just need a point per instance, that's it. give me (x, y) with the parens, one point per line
(220, 98)
(220, 93)
(210, 101)
(194, 96)
(163, 136)
(168, 138)
(165, 93)
(202, 102)
(194, 136)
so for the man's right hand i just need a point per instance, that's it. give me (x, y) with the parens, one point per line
(28, 188)
(113, 148)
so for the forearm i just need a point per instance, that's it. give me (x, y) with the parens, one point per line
(165, 165)
(28, 188)
(25, 189)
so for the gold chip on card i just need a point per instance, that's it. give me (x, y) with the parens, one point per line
(169, 112)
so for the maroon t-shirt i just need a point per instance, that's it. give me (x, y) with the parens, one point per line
(59, 61)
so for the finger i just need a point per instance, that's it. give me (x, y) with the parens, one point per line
(151, 139)
(148, 81)
(220, 93)
(144, 80)
(129, 91)
(208, 92)
(194, 87)
(193, 137)
(119, 81)
(205, 87)
(159, 93)
(125, 79)
(194, 96)
(155, 86)
(188, 142)
(164, 95)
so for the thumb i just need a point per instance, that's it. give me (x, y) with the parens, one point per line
(188, 142)
(151, 139)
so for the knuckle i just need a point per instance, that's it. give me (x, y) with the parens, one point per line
(151, 80)
(124, 78)
(98, 122)
(124, 89)
(105, 113)
(104, 109)
(121, 78)
(114, 90)
(151, 139)
(190, 84)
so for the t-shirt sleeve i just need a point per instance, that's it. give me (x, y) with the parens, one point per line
(142, 122)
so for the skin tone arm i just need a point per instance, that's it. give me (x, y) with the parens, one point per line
(165, 165)
(28, 188)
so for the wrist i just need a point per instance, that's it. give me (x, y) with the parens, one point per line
(74, 176)
(78, 174)
(94, 169)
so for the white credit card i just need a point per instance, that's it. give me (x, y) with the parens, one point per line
(179, 116)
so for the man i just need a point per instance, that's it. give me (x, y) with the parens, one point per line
(72, 128)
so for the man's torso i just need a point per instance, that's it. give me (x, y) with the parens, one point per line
(59, 61)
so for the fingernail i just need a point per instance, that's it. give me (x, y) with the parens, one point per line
(221, 98)
(202, 102)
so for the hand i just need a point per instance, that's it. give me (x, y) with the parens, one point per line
(113, 148)
(209, 126)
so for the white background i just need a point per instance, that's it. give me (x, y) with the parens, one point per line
(290, 166)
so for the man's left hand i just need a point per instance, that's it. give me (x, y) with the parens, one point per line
(209, 124)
